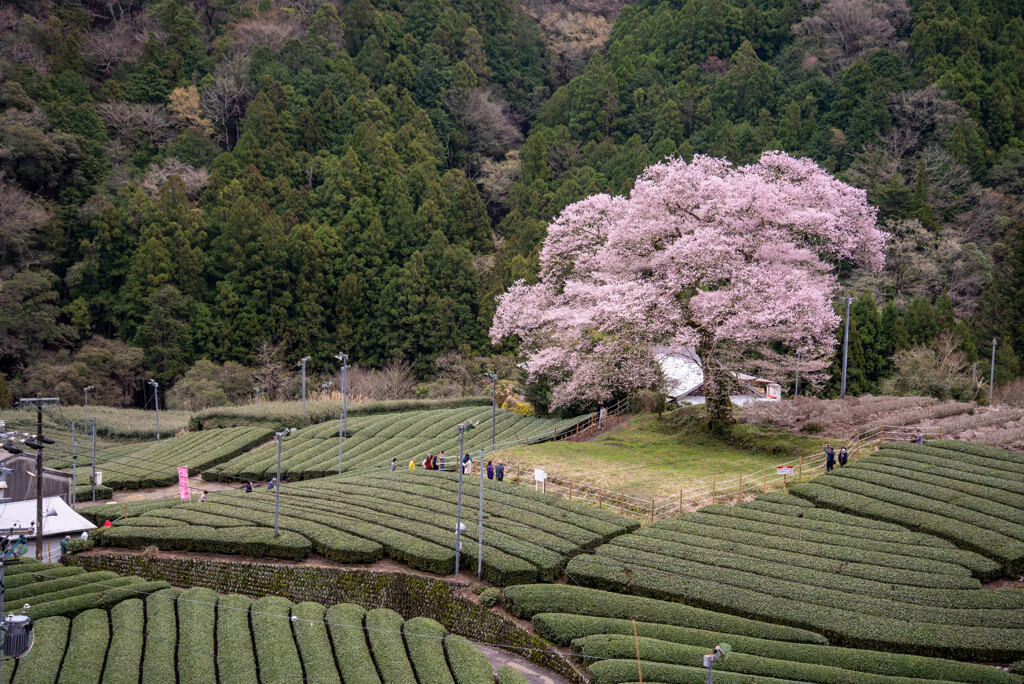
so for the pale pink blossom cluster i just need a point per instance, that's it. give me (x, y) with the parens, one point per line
(736, 261)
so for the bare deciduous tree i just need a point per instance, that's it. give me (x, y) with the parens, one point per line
(845, 29)
(158, 174)
(269, 33)
(130, 123)
(269, 371)
(226, 98)
(486, 119)
(22, 220)
(121, 42)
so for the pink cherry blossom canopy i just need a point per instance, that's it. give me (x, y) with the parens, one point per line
(737, 261)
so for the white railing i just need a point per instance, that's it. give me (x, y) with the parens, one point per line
(734, 489)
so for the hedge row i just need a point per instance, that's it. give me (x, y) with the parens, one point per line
(84, 589)
(104, 598)
(1007, 551)
(196, 644)
(99, 514)
(849, 627)
(563, 629)
(626, 671)
(980, 450)
(50, 641)
(276, 654)
(39, 573)
(424, 638)
(345, 625)
(22, 593)
(234, 640)
(525, 601)
(767, 536)
(314, 644)
(509, 675)
(124, 658)
(622, 647)
(870, 598)
(384, 632)
(242, 541)
(943, 463)
(158, 662)
(944, 494)
(87, 648)
(966, 461)
(187, 515)
(468, 665)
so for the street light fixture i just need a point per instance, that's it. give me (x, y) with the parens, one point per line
(494, 410)
(846, 344)
(277, 481)
(156, 403)
(257, 388)
(302, 363)
(343, 357)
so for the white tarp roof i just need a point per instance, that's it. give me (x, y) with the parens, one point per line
(681, 367)
(23, 514)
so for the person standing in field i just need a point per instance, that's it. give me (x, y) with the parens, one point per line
(919, 438)
(844, 456)
(248, 488)
(394, 464)
(830, 458)
(467, 466)
(602, 415)
(490, 471)
(412, 463)
(202, 497)
(440, 459)
(499, 472)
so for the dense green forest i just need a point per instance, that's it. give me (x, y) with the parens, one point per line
(232, 179)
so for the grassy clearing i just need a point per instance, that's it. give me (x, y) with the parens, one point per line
(119, 424)
(649, 456)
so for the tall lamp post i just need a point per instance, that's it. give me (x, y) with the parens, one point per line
(343, 357)
(277, 482)
(459, 527)
(992, 373)
(257, 388)
(494, 410)
(302, 364)
(846, 345)
(156, 403)
(87, 390)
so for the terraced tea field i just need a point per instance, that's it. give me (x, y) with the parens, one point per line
(151, 633)
(373, 440)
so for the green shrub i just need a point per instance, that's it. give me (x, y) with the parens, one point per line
(384, 632)
(490, 597)
(242, 541)
(563, 629)
(106, 598)
(314, 644)
(84, 589)
(50, 640)
(966, 461)
(979, 450)
(97, 515)
(468, 665)
(525, 601)
(23, 593)
(196, 644)
(84, 492)
(87, 648)
(849, 627)
(425, 640)
(124, 658)
(945, 464)
(276, 654)
(508, 675)
(345, 625)
(49, 572)
(770, 507)
(1018, 667)
(234, 640)
(158, 663)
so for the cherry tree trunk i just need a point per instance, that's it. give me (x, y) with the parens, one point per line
(717, 383)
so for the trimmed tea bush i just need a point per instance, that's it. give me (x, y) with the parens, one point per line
(158, 664)
(196, 645)
(351, 650)
(87, 648)
(468, 665)
(276, 654)
(384, 632)
(489, 597)
(425, 640)
(124, 657)
(508, 675)
(234, 640)
(43, 662)
(314, 643)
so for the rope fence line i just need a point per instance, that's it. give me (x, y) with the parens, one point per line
(732, 490)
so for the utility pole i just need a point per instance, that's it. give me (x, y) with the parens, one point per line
(494, 412)
(74, 467)
(459, 527)
(343, 357)
(87, 390)
(846, 345)
(93, 479)
(277, 482)
(992, 373)
(156, 403)
(302, 363)
(480, 525)
(257, 388)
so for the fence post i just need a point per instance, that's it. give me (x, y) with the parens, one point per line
(544, 486)
(881, 432)
(714, 485)
(622, 504)
(800, 468)
(940, 430)
(599, 497)
(680, 499)
(652, 509)
(765, 480)
(739, 494)
(570, 490)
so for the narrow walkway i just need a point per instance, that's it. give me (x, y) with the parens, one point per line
(533, 673)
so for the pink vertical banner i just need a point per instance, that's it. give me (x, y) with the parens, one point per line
(183, 483)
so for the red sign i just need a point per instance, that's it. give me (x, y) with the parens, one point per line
(183, 483)
(784, 470)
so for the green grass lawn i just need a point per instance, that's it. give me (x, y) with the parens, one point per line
(646, 456)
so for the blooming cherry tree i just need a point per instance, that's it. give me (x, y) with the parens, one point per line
(737, 262)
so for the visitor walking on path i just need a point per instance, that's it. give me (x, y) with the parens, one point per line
(467, 466)
(919, 438)
(412, 463)
(830, 458)
(844, 456)
(64, 544)
(490, 471)
(394, 464)
(248, 488)
(440, 458)
(499, 472)
(602, 414)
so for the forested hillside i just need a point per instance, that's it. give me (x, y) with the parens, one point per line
(187, 180)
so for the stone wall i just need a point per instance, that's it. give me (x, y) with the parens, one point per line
(407, 594)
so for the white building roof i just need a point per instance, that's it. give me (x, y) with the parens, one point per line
(23, 514)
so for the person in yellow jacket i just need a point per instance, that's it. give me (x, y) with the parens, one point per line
(412, 463)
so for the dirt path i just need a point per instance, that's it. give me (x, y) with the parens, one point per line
(533, 673)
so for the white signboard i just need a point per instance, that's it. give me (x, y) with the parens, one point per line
(539, 475)
(785, 470)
